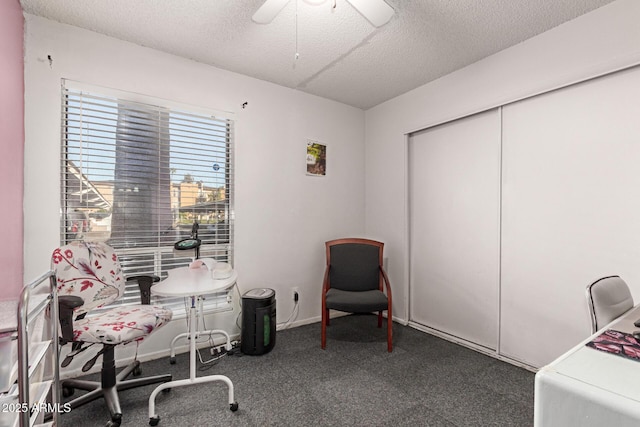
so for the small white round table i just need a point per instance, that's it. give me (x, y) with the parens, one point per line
(192, 283)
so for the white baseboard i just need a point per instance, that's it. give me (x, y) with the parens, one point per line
(121, 361)
(472, 346)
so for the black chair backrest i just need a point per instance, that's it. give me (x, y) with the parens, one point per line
(354, 267)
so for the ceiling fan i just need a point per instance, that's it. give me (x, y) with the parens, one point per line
(378, 12)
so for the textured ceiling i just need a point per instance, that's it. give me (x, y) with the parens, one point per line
(341, 55)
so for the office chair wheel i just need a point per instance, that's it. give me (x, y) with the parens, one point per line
(172, 360)
(233, 406)
(137, 371)
(68, 391)
(116, 420)
(154, 421)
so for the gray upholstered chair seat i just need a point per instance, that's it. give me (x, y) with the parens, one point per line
(356, 302)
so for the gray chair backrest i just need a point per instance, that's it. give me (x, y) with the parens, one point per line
(608, 299)
(354, 267)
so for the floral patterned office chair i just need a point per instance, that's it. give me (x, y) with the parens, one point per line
(89, 276)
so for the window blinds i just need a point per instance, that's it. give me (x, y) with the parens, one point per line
(138, 175)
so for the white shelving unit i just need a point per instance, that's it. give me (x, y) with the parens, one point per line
(24, 393)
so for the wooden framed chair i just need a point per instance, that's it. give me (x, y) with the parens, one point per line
(355, 282)
(608, 298)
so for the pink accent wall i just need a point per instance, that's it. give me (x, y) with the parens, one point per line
(11, 147)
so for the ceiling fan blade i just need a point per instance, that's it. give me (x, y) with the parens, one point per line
(378, 12)
(268, 11)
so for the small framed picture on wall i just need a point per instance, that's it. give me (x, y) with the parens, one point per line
(316, 158)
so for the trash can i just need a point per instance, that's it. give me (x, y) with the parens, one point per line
(258, 321)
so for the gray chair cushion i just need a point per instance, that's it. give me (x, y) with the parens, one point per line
(356, 302)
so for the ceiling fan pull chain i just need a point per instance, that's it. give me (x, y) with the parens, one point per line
(297, 53)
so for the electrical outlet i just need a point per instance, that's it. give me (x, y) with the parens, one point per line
(295, 294)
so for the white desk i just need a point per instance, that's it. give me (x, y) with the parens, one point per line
(589, 387)
(191, 283)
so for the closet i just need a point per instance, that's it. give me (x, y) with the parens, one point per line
(514, 211)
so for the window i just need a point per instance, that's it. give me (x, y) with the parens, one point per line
(138, 175)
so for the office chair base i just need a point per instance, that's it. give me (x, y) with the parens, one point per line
(103, 389)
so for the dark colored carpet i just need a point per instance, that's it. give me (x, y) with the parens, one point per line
(425, 381)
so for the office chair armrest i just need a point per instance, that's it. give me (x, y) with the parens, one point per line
(66, 305)
(145, 282)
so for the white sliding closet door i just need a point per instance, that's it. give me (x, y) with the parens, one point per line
(454, 199)
(571, 210)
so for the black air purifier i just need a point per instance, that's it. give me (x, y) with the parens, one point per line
(258, 321)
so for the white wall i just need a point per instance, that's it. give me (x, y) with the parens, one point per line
(603, 40)
(282, 216)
